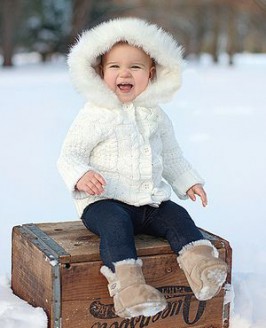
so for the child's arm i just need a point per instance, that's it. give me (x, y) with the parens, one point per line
(185, 181)
(92, 183)
(197, 189)
(74, 161)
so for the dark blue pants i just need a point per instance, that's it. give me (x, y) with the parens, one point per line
(116, 223)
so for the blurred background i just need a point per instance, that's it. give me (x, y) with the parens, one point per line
(47, 28)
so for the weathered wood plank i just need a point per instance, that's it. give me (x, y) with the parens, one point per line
(91, 301)
(32, 278)
(82, 297)
(83, 245)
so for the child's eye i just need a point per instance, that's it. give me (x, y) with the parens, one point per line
(135, 67)
(114, 66)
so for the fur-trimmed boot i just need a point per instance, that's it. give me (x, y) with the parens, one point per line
(204, 271)
(132, 296)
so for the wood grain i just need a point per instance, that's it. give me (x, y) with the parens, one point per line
(85, 301)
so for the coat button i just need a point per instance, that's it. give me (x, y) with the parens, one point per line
(147, 150)
(146, 186)
(128, 106)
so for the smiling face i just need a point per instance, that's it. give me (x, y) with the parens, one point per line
(127, 70)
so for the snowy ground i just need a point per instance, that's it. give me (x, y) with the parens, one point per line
(220, 121)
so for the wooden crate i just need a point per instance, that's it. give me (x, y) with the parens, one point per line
(56, 266)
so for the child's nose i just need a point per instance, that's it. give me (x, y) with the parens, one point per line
(125, 72)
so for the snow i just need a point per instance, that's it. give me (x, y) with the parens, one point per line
(16, 313)
(219, 117)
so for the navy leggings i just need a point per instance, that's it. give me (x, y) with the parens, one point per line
(116, 223)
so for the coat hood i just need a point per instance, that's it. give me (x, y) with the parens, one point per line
(85, 55)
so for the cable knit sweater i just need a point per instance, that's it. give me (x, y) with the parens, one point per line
(132, 145)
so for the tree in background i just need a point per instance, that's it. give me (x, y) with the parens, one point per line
(9, 14)
(81, 13)
(86, 14)
(209, 26)
(50, 27)
(45, 26)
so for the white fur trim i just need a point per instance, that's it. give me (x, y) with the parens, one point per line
(114, 284)
(161, 46)
(109, 275)
(206, 242)
(128, 261)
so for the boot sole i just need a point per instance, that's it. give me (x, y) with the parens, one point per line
(146, 309)
(212, 280)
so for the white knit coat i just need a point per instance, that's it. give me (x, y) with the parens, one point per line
(131, 145)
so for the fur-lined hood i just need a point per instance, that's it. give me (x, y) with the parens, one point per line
(84, 58)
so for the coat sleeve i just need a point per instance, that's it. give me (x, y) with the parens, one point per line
(74, 159)
(177, 171)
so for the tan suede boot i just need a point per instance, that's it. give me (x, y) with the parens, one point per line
(132, 296)
(204, 271)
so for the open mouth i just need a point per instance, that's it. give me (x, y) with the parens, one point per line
(125, 86)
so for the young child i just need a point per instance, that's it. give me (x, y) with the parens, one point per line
(120, 158)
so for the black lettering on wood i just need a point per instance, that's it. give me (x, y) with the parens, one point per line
(186, 310)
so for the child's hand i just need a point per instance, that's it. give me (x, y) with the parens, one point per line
(92, 183)
(197, 189)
